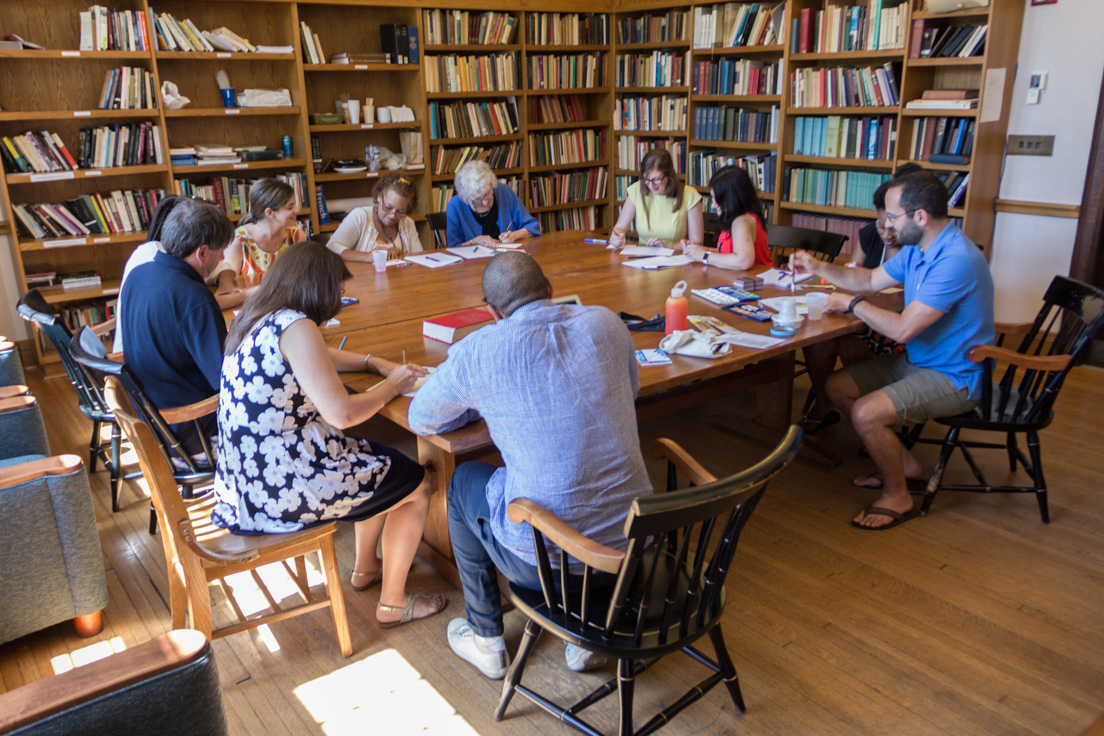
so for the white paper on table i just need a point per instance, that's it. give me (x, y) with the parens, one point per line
(394, 262)
(775, 303)
(420, 382)
(779, 277)
(637, 251)
(656, 262)
(508, 246)
(434, 260)
(749, 340)
(333, 323)
(471, 251)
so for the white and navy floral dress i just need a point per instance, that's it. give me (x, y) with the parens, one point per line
(281, 466)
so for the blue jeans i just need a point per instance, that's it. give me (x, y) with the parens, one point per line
(478, 553)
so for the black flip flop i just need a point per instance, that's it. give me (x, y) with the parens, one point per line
(898, 519)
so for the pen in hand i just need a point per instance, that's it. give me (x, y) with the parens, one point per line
(341, 345)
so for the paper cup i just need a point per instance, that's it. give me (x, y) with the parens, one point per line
(816, 301)
(354, 112)
(383, 114)
(379, 260)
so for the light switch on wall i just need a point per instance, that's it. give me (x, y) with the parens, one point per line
(1035, 87)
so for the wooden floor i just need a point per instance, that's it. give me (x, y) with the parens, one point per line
(978, 619)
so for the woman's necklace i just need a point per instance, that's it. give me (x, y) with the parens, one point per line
(390, 238)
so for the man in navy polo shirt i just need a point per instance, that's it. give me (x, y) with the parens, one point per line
(173, 325)
(948, 309)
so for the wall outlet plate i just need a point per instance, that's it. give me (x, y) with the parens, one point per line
(1030, 145)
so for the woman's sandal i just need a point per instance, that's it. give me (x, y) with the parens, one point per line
(407, 611)
(373, 578)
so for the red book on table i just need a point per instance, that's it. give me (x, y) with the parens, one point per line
(451, 327)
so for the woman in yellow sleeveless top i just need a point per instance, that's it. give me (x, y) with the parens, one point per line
(266, 230)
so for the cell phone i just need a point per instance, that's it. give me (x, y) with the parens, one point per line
(347, 301)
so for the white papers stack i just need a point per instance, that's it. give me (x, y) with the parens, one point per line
(434, 260)
(778, 277)
(647, 250)
(471, 251)
(657, 262)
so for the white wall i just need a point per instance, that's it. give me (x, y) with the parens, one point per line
(1028, 251)
(10, 325)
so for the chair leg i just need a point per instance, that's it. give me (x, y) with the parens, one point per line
(89, 625)
(1034, 449)
(517, 667)
(93, 446)
(940, 467)
(153, 520)
(626, 674)
(116, 466)
(337, 597)
(1011, 448)
(731, 680)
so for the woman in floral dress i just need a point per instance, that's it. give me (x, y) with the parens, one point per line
(283, 462)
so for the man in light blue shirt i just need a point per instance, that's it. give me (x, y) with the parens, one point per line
(556, 384)
(948, 310)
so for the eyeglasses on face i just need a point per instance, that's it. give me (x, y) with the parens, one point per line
(892, 218)
(485, 199)
(656, 179)
(389, 210)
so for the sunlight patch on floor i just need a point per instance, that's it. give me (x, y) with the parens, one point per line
(381, 693)
(87, 655)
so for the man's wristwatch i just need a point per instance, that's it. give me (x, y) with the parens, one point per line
(854, 302)
(705, 258)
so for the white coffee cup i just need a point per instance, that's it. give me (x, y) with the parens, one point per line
(383, 114)
(354, 112)
(379, 259)
(816, 300)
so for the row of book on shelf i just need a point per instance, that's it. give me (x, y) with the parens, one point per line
(831, 187)
(563, 187)
(739, 24)
(231, 195)
(482, 73)
(35, 152)
(398, 41)
(653, 113)
(730, 76)
(472, 119)
(440, 194)
(52, 281)
(218, 154)
(467, 27)
(845, 86)
(556, 109)
(574, 218)
(118, 211)
(763, 168)
(501, 156)
(945, 99)
(942, 140)
(183, 35)
(567, 147)
(835, 136)
(128, 88)
(632, 149)
(736, 124)
(108, 29)
(566, 71)
(567, 29)
(933, 41)
(881, 25)
(674, 25)
(655, 69)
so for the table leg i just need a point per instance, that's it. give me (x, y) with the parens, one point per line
(441, 464)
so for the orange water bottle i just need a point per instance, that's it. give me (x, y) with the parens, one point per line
(676, 308)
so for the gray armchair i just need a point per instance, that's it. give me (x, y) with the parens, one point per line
(11, 367)
(51, 565)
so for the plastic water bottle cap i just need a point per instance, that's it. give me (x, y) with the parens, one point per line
(678, 289)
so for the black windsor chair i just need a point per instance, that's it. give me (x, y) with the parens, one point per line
(666, 595)
(711, 229)
(188, 472)
(34, 308)
(437, 223)
(784, 240)
(1023, 400)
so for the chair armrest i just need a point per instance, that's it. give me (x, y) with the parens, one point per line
(51, 695)
(104, 327)
(8, 392)
(582, 548)
(979, 353)
(23, 472)
(6, 344)
(15, 403)
(179, 414)
(671, 450)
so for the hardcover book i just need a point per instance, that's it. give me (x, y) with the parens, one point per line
(449, 328)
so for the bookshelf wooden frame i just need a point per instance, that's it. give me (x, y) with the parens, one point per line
(66, 102)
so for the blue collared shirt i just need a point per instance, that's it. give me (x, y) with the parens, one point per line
(952, 277)
(557, 386)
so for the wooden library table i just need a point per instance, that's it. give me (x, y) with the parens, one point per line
(388, 322)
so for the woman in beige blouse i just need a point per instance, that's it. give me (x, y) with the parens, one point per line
(384, 224)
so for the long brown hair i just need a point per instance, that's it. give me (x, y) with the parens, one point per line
(306, 277)
(266, 194)
(659, 159)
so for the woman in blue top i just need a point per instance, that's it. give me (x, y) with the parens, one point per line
(485, 211)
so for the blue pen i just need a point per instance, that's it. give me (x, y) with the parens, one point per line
(431, 258)
(342, 345)
(600, 241)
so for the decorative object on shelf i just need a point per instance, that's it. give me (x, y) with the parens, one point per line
(171, 96)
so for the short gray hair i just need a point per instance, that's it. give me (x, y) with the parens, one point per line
(512, 280)
(473, 179)
(193, 223)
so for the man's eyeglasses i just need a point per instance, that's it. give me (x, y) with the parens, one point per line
(892, 218)
(656, 179)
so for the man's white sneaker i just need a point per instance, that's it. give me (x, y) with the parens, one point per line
(581, 660)
(487, 654)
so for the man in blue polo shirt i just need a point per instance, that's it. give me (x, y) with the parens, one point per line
(948, 310)
(173, 325)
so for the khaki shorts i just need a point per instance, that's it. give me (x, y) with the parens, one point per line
(918, 394)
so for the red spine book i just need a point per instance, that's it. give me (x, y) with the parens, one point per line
(806, 31)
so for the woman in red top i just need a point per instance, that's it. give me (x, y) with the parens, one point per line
(743, 240)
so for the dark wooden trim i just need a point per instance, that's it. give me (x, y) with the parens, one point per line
(1087, 263)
